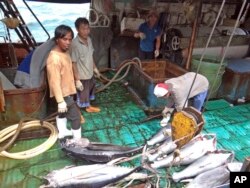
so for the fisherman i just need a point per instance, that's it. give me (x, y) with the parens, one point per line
(81, 52)
(150, 37)
(176, 90)
(62, 84)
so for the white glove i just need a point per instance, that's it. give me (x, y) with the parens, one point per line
(165, 121)
(142, 35)
(167, 111)
(62, 107)
(157, 53)
(96, 71)
(79, 85)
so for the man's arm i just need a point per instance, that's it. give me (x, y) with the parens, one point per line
(75, 71)
(157, 46)
(96, 71)
(158, 42)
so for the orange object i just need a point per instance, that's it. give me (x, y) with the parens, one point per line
(92, 109)
(82, 119)
(2, 100)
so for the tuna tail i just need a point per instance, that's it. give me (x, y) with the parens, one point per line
(211, 143)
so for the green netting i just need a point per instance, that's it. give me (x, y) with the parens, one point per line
(217, 104)
(232, 127)
(120, 122)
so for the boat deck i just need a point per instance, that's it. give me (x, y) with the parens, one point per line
(121, 122)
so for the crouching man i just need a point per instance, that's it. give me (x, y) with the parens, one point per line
(62, 84)
(176, 90)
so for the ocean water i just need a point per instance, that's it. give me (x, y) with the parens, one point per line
(50, 15)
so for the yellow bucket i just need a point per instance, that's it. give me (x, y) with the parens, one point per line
(185, 125)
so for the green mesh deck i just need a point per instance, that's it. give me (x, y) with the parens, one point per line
(231, 125)
(119, 122)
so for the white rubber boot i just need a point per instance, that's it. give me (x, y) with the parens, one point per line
(77, 134)
(61, 124)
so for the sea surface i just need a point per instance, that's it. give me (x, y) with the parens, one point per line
(49, 14)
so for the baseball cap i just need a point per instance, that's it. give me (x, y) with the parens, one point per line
(161, 89)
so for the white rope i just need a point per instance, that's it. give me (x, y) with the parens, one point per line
(88, 15)
(103, 21)
(10, 131)
(100, 20)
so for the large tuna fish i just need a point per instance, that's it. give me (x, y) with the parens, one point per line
(210, 178)
(94, 176)
(160, 136)
(165, 148)
(195, 149)
(96, 151)
(205, 163)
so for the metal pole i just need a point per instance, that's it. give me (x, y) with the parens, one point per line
(193, 36)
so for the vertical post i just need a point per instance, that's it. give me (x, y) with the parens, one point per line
(2, 101)
(194, 34)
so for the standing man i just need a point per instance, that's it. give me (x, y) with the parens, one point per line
(177, 91)
(150, 37)
(62, 84)
(81, 52)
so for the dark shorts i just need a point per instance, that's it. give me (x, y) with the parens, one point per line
(84, 97)
(73, 113)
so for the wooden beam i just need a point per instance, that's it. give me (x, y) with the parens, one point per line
(2, 101)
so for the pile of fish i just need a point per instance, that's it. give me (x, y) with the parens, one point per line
(94, 176)
(207, 165)
(203, 161)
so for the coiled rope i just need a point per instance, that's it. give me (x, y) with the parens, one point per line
(11, 130)
(125, 64)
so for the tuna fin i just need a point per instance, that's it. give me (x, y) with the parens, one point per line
(187, 180)
(212, 142)
(117, 160)
(234, 166)
(70, 166)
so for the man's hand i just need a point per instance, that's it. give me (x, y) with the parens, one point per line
(96, 71)
(165, 120)
(142, 35)
(79, 85)
(157, 53)
(167, 111)
(62, 107)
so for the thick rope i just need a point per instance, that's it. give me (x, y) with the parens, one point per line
(10, 131)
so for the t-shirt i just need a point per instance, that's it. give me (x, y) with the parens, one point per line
(181, 85)
(82, 55)
(60, 75)
(147, 44)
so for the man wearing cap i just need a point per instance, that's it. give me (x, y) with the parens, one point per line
(177, 92)
(150, 37)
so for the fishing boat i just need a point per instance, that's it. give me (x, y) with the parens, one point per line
(127, 106)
